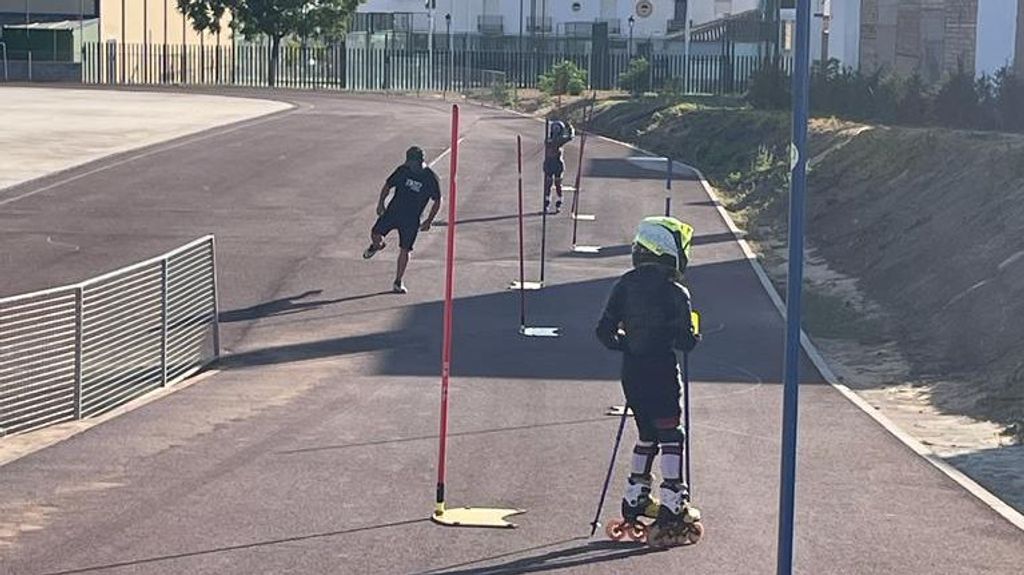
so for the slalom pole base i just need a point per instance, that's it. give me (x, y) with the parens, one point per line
(515, 285)
(539, 331)
(584, 217)
(491, 518)
(586, 249)
(618, 410)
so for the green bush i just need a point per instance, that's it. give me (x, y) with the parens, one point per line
(957, 102)
(1009, 100)
(770, 87)
(987, 103)
(637, 78)
(503, 93)
(564, 78)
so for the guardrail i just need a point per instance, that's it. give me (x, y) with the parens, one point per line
(81, 350)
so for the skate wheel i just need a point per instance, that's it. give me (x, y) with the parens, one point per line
(614, 530)
(694, 533)
(638, 532)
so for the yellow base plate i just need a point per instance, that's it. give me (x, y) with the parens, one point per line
(476, 517)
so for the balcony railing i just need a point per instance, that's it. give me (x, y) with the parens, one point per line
(490, 25)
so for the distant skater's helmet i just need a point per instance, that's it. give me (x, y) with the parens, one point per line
(557, 129)
(662, 240)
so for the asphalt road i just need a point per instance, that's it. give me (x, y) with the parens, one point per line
(313, 449)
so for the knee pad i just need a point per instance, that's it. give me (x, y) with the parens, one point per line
(671, 435)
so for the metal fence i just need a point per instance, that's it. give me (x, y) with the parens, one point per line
(397, 68)
(81, 350)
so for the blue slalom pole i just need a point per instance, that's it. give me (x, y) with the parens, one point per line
(798, 189)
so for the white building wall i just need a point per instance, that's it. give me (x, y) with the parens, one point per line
(997, 31)
(464, 12)
(844, 31)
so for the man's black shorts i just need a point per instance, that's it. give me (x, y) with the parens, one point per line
(407, 229)
(554, 167)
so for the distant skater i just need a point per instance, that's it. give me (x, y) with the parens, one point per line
(414, 185)
(559, 134)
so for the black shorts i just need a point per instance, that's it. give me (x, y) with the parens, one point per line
(652, 388)
(407, 229)
(554, 167)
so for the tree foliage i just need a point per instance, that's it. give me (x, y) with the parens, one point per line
(274, 19)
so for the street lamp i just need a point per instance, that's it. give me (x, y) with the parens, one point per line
(451, 56)
(629, 48)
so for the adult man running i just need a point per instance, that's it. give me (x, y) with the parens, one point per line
(415, 184)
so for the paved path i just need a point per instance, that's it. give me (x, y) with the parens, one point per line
(313, 449)
(46, 130)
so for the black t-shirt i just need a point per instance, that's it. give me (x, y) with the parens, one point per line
(413, 189)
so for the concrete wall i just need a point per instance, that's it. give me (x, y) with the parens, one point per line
(153, 21)
(930, 37)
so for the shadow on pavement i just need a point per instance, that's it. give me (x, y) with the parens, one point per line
(707, 239)
(490, 219)
(578, 556)
(637, 168)
(458, 434)
(244, 546)
(288, 305)
(488, 343)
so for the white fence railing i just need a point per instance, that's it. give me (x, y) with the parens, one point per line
(78, 351)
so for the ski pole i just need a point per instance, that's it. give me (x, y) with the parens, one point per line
(611, 468)
(686, 419)
(543, 240)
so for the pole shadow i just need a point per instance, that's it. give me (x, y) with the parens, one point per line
(240, 547)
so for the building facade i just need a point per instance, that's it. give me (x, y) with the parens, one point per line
(120, 21)
(650, 18)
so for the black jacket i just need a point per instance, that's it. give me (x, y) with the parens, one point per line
(653, 310)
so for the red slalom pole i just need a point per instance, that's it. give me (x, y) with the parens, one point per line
(522, 257)
(446, 348)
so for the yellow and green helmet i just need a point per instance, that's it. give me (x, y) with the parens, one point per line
(663, 240)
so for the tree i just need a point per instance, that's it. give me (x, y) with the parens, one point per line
(564, 78)
(636, 78)
(275, 19)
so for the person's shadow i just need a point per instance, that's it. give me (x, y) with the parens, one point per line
(289, 305)
(587, 553)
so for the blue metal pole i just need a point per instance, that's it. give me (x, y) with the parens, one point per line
(798, 188)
